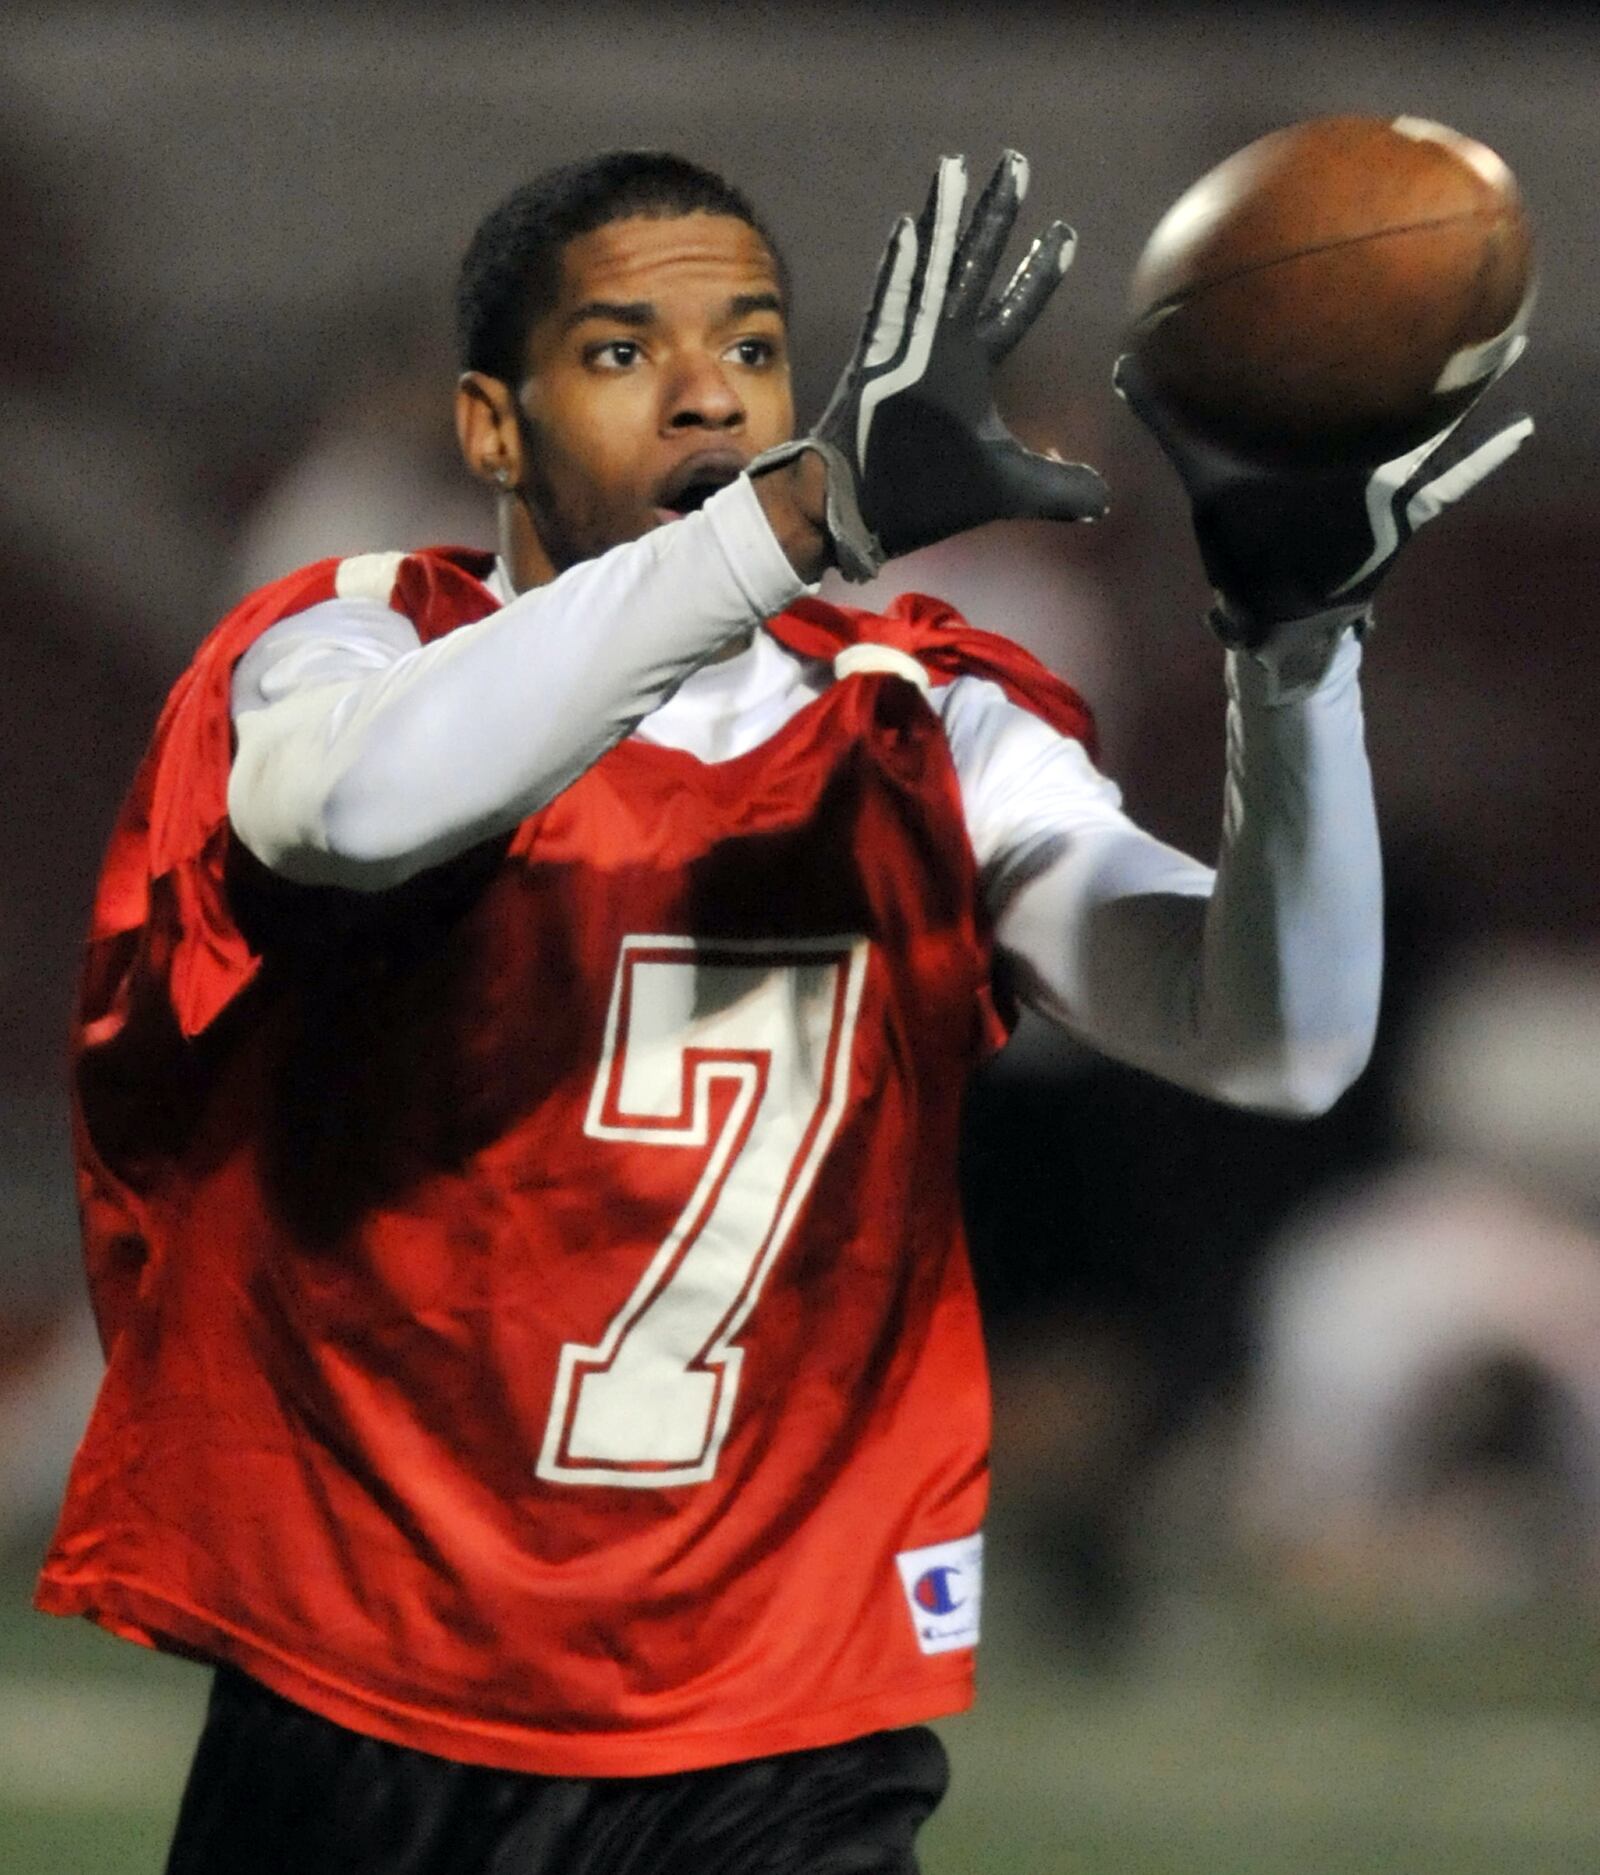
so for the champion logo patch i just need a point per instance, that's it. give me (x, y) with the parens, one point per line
(944, 1586)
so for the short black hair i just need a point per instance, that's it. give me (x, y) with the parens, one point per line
(511, 272)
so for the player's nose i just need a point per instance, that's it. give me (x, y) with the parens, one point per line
(700, 394)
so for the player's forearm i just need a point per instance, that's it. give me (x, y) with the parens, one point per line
(365, 781)
(1259, 984)
(1293, 952)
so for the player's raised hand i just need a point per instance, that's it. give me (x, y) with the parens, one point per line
(914, 446)
(1287, 544)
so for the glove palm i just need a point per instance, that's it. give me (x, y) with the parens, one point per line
(1287, 544)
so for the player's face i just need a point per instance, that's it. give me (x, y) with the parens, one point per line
(660, 372)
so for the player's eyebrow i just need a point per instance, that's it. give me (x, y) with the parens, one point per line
(743, 304)
(634, 312)
(641, 313)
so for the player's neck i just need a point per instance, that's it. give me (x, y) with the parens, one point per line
(524, 563)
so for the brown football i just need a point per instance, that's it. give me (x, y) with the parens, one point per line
(1337, 289)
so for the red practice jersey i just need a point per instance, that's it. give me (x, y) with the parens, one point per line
(539, 1330)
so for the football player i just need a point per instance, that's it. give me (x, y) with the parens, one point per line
(520, 1053)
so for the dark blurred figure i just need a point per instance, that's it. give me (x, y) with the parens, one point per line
(1498, 1446)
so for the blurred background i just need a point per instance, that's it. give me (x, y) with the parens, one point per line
(1295, 1553)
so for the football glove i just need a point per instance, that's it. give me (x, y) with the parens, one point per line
(914, 447)
(1282, 545)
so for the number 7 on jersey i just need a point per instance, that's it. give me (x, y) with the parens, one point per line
(769, 1026)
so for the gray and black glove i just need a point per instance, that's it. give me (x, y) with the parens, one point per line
(914, 447)
(1285, 546)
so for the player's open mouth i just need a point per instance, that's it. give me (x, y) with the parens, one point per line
(694, 481)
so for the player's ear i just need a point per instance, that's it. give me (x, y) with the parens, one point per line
(486, 429)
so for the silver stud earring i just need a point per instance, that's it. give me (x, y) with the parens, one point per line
(503, 477)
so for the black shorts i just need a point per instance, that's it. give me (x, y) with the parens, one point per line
(276, 1790)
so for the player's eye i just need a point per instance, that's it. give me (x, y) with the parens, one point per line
(753, 352)
(615, 354)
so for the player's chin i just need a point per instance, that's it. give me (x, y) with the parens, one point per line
(600, 535)
(632, 525)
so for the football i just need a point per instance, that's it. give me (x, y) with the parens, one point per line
(1336, 290)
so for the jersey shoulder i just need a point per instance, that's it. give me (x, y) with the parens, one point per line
(946, 647)
(435, 588)
(172, 827)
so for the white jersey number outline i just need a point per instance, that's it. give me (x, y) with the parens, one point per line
(773, 1022)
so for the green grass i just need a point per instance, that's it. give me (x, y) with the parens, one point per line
(84, 1842)
(1266, 1734)
(1160, 1775)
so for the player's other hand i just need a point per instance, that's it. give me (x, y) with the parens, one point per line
(914, 447)
(1288, 544)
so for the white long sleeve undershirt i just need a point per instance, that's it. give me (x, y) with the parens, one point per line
(364, 757)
